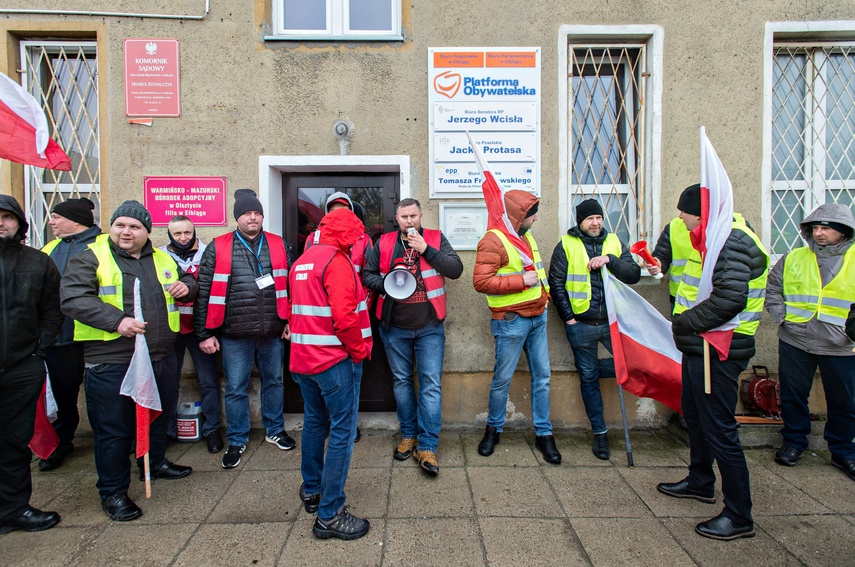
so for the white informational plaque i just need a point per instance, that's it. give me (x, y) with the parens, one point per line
(463, 224)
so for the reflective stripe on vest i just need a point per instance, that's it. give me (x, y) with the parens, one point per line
(681, 251)
(749, 318)
(314, 344)
(110, 290)
(515, 267)
(806, 298)
(578, 279)
(224, 247)
(434, 281)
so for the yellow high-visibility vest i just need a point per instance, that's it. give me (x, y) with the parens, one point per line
(515, 267)
(681, 251)
(749, 318)
(578, 282)
(806, 298)
(110, 288)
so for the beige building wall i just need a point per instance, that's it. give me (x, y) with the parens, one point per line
(243, 98)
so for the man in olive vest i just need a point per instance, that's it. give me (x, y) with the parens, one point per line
(576, 282)
(809, 295)
(74, 229)
(412, 329)
(738, 290)
(98, 293)
(517, 296)
(672, 251)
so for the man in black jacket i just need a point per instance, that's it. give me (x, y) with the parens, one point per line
(738, 289)
(576, 286)
(29, 320)
(74, 229)
(98, 293)
(243, 307)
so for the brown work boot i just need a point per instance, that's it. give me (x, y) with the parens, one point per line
(427, 460)
(405, 449)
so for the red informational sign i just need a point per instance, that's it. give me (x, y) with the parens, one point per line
(200, 199)
(151, 77)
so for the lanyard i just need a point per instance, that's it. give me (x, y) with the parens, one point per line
(256, 254)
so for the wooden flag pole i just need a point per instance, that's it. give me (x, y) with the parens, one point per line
(707, 387)
(147, 472)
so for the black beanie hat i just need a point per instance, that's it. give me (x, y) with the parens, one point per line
(134, 210)
(246, 201)
(533, 210)
(690, 200)
(846, 231)
(587, 208)
(78, 210)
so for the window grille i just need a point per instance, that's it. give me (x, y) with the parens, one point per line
(607, 86)
(813, 134)
(63, 77)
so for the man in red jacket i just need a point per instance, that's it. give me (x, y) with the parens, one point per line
(330, 337)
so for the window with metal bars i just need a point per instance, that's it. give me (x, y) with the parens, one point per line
(813, 134)
(63, 77)
(606, 85)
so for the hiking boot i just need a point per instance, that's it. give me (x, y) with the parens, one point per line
(405, 448)
(343, 526)
(600, 446)
(232, 457)
(427, 461)
(282, 440)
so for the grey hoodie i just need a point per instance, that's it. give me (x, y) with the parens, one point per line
(815, 337)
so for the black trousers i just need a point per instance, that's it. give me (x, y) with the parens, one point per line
(66, 370)
(20, 387)
(712, 432)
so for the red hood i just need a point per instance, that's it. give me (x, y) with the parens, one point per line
(518, 203)
(340, 228)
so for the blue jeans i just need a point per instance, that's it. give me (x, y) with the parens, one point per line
(422, 418)
(268, 353)
(584, 339)
(797, 369)
(330, 398)
(113, 420)
(512, 337)
(209, 382)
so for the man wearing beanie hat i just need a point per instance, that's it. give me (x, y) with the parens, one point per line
(29, 320)
(98, 290)
(74, 229)
(243, 308)
(809, 296)
(576, 282)
(517, 298)
(738, 281)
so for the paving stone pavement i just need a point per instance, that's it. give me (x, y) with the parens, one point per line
(508, 509)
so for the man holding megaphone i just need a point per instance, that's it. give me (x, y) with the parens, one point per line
(407, 269)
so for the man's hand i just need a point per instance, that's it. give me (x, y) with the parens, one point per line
(129, 327)
(570, 322)
(286, 332)
(417, 242)
(654, 269)
(530, 278)
(177, 290)
(209, 345)
(597, 262)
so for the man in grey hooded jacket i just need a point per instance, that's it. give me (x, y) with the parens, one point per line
(808, 295)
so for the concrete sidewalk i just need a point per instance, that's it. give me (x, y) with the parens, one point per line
(508, 509)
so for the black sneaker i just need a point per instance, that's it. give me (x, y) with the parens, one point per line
(282, 440)
(232, 457)
(343, 526)
(310, 501)
(788, 455)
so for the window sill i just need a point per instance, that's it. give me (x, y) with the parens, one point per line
(335, 39)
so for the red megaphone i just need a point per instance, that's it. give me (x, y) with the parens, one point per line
(640, 248)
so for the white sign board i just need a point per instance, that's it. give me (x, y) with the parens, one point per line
(494, 93)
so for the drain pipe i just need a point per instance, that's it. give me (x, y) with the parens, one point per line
(108, 14)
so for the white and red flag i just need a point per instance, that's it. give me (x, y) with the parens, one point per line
(497, 215)
(709, 237)
(45, 440)
(24, 136)
(647, 362)
(140, 384)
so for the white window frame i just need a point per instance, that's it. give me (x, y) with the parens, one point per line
(337, 26)
(776, 33)
(604, 35)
